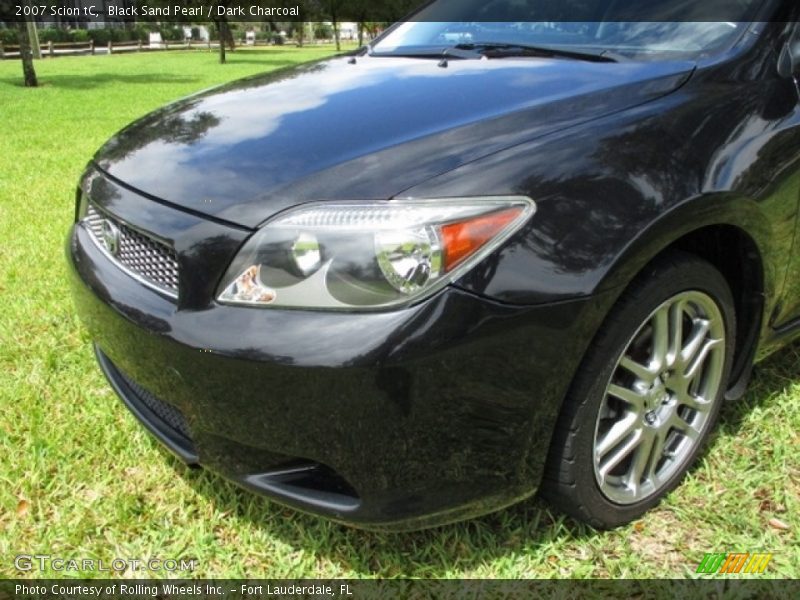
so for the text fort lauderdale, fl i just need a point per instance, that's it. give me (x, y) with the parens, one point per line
(169, 589)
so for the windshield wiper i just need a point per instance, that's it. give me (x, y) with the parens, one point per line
(475, 50)
(503, 50)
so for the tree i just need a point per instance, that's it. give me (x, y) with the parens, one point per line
(33, 39)
(310, 10)
(8, 14)
(223, 29)
(374, 15)
(225, 36)
(333, 11)
(26, 54)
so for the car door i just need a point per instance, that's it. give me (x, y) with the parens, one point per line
(780, 156)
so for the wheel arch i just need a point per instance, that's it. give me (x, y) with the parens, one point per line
(733, 235)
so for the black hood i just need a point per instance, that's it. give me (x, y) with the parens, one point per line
(369, 130)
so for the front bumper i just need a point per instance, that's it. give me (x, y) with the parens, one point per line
(397, 420)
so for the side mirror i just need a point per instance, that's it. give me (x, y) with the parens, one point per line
(789, 60)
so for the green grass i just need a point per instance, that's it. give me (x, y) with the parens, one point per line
(80, 478)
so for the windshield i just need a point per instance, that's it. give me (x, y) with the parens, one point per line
(664, 29)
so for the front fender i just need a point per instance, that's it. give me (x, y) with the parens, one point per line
(690, 216)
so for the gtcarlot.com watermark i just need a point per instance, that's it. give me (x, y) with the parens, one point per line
(45, 562)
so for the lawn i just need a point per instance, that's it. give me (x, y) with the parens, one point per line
(80, 478)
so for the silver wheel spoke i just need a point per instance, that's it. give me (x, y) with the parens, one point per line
(620, 454)
(641, 371)
(694, 368)
(616, 435)
(656, 452)
(628, 396)
(640, 461)
(661, 337)
(684, 428)
(675, 332)
(695, 343)
(695, 403)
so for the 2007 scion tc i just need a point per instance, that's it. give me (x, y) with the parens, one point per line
(475, 259)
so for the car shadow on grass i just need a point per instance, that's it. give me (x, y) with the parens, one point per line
(245, 59)
(98, 80)
(770, 378)
(529, 528)
(286, 50)
(523, 529)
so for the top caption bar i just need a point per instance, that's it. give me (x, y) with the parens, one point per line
(73, 12)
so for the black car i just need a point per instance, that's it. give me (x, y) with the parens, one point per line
(476, 259)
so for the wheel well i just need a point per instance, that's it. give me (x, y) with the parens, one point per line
(736, 256)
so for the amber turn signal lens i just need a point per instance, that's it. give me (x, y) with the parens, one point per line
(462, 240)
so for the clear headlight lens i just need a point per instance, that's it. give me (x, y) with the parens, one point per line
(368, 256)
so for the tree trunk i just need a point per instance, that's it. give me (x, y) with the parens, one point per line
(335, 22)
(229, 37)
(301, 30)
(33, 38)
(27, 56)
(360, 34)
(221, 35)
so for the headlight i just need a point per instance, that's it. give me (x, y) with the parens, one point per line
(368, 256)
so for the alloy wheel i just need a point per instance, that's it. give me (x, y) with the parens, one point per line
(659, 399)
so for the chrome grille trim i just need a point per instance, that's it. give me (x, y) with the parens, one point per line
(149, 261)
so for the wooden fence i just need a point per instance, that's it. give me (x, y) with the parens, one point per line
(54, 49)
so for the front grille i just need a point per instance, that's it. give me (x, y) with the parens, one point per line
(170, 415)
(152, 261)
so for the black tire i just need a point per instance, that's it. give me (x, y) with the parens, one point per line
(572, 478)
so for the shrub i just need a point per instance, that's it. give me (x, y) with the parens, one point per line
(54, 35)
(9, 37)
(195, 33)
(141, 33)
(323, 31)
(277, 39)
(101, 37)
(79, 35)
(172, 34)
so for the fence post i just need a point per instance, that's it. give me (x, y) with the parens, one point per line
(166, 45)
(110, 47)
(2, 52)
(50, 49)
(209, 43)
(91, 46)
(140, 46)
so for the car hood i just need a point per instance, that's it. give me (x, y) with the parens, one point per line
(337, 130)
